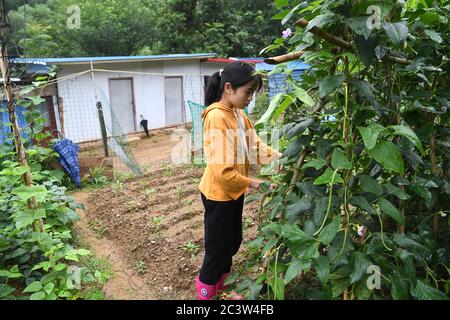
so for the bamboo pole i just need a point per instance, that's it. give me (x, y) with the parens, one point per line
(4, 66)
(329, 38)
(61, 115)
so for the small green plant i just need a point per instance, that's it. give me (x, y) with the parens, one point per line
(192, 248)
(188, 202)
(179, 191)
(131, 203)
(247, 223)
(149, 192)
(123, 175)
(157, 222)
(167, 169)
(117, 186)
(95, 178)
(141, 267)
(98, 228)
(100, 268)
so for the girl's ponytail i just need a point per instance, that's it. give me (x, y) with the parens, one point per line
(213, 90)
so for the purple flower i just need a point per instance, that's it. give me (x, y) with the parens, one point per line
(287, 33)
(360, 231)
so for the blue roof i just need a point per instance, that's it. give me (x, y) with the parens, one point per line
(295, 65)
(45, 61)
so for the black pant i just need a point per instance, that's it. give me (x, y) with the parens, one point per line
(223, 237)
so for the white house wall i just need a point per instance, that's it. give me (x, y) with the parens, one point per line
(80, 112)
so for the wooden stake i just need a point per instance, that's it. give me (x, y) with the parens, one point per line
(4, 66)
(329, 38)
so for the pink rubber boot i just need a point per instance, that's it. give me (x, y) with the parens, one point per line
(220, 284)
(205, 291)
(221, 290)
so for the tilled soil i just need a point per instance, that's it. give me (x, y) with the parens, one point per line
(155, 225)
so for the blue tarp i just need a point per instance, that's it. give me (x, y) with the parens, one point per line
(277, 82)
(68, 158)
(4, 119)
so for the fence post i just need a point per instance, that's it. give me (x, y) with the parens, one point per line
(103, 128)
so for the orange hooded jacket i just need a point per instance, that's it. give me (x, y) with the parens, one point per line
(226, 173)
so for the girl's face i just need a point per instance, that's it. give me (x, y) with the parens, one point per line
(240, 97)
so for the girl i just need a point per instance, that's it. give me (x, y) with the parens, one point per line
(230, 143)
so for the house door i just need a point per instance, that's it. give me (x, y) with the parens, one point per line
(174, 101)
(122, 103)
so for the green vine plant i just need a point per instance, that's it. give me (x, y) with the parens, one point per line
(361, 211)
(39, 259)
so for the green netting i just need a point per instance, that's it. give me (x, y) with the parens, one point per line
(117, 138)
(196, 131)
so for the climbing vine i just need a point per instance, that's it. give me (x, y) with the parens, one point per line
(361, 208)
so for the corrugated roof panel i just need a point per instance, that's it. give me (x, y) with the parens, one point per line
(113, 59)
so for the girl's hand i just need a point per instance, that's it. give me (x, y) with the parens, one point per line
(255, 183)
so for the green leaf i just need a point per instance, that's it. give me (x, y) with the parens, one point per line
(321, 21)
(281, 3)
(406, 132)
(434, 36)
(329, 84)
(291, 13)
(26, 89)
(359, 26)
(389, 209)
(421, 191)
(27, 192)
(387, 154)
(370, 134)
(5, 290)
(293, 210)
(366, 48)
(304, 96)
(339, 285)
(327, 178)
(322, 265)
(365, 89)
(33, 287)
(293, 232)
(267, 116)
(339, 160)
(423, 291)
(391, 189)
(430, 18)
(314, 163)
(36, 100)
(397, 32)
(294, 269)
(299, 128)
(307, 251)
(27, 217)
(49, 288)
(360, 265)
(329, 231)
(277, 285)
(10, 275)
(370, 185)
(400, 286)
(287, 101)
(38, 296)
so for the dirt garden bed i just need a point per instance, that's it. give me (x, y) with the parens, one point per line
(155, 225)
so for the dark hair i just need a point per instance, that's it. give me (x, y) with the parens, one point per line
(237, 74)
